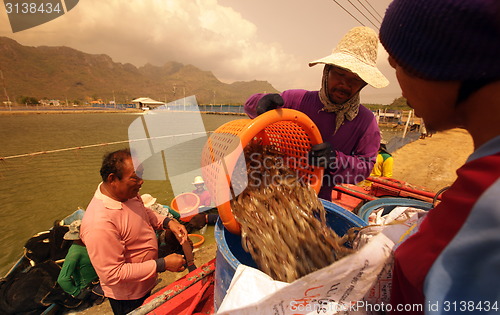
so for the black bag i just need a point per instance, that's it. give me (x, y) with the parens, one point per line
(24, 289)
(23, 292)
(48, 245)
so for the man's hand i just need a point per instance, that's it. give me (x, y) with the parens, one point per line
(269, 102)
(179, 231)
(322, 155)
(175, 263)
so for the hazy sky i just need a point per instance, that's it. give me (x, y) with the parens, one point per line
(238, 40)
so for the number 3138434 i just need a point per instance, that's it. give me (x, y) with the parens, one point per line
(32, 7)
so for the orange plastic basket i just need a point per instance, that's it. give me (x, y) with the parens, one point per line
(197, 239)
(289, 131)
(186, 204)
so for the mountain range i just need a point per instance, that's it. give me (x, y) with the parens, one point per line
(65, 73)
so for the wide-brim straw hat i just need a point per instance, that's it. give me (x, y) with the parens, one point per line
(148, 200)
(74, 231)
(357, 52)
(198, 180)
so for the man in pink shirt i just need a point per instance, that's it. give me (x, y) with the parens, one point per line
(119, 233)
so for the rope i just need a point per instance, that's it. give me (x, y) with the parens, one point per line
(98, 145)
(370, 12)
(363, 14)
(349, 13)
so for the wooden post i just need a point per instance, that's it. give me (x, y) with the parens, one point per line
(407, 123)
(5, 89)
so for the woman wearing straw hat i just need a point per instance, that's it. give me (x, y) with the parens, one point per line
(446, 55)
(349, 130)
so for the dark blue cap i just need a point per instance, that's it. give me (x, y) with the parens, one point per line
(444, 40)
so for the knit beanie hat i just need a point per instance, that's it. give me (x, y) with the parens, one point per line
(444, 40)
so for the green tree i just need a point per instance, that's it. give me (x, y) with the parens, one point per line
(27, 100)
(399, 103)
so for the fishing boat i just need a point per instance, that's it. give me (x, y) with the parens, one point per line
(26, 287)
(39, 267)
(40, 264)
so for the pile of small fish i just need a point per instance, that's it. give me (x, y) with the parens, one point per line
(283, 224)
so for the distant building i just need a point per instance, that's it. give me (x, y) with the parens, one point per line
(146, 102)
(50, 102)
(96, 102)
(392, 116)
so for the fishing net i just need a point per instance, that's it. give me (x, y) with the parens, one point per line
(283, 224)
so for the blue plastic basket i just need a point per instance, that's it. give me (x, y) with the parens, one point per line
(389, 204)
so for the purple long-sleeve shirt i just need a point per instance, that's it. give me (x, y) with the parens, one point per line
(356, 142)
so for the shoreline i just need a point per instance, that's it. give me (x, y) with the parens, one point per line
(99, 111)
(67, 111)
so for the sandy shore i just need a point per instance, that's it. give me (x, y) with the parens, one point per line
(432, 162)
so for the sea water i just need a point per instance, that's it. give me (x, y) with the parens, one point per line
(37, 190)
